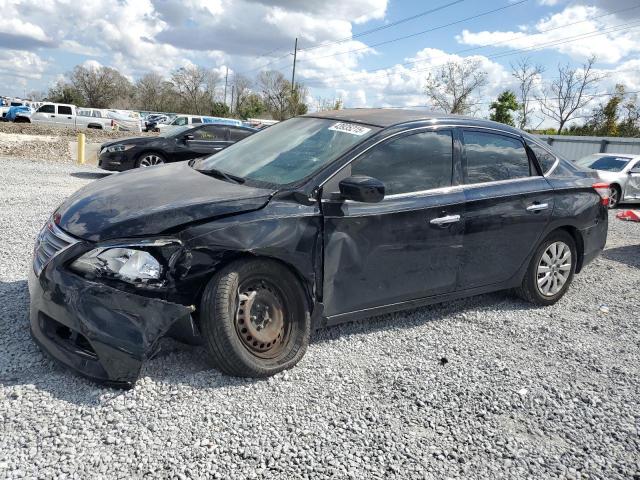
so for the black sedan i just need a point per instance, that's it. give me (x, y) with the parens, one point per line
(317, 220)
(174, 145)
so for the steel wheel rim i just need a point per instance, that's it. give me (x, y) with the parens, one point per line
(261, 319)
(554, 269)
(613, 197)
(151, 160)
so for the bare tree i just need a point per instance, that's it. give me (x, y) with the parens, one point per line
(569, 93)
(100, 86)
(450, 89)
(242, 90)
(194, 85)
(276, 91)
(527, 75)
(154, 93)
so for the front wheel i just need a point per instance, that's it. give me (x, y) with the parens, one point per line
(254, 319)
(150, 160)
(550, 271)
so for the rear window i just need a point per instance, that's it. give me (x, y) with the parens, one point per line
(492, 157)
(64, 110)
(608, 163)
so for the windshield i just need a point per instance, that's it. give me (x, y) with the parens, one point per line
(288, 151)
(607, 163)
(174, 131)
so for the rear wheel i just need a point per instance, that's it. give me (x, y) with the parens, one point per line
(150, 159)
(551, 270)
(614, 196)
(254, 320)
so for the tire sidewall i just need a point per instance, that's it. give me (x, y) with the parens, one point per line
(559, 236)
(219, 319)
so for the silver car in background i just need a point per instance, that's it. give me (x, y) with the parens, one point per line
(621, 172)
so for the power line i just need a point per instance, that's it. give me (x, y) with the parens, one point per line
(358, 35)
(383, 27)
(429, 30)
(384, 70)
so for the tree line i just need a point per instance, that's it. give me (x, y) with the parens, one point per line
(191, 90)
(452, 88)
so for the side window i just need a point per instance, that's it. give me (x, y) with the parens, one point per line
(47, 109)
(237, 134)
(64, 110)
(196, 120)
(180, 121)
(491, 157)
(421, 161)
(545, 159)
(210, 133)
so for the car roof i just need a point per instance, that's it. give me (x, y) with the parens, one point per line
(386, 117)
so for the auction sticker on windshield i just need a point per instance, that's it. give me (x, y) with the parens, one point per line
(351, 128)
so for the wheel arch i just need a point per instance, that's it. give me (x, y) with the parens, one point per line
(579, 241)
(306, 284)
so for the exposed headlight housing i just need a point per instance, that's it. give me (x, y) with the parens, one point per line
(118, 148)
(126, 264)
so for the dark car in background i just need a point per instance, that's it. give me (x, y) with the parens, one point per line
(317, 220)
(173, 145)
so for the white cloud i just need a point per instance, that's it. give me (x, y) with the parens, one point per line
(570, 23)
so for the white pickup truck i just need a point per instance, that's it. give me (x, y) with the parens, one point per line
(64, 115)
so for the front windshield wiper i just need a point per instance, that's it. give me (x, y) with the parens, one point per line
(220, 174)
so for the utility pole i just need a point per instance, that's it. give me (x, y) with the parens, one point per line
(293, 74)
(233, 87)
(225, 85)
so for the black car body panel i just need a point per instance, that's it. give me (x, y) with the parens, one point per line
(353, 259)
(202, 140)
(150, 201)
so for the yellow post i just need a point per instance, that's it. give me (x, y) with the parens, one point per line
(81, 148)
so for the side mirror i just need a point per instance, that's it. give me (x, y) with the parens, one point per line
(634, 171)
(360, 188)
(188, 136)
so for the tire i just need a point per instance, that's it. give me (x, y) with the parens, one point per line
(615, 193)
(529, 289)
(150, 159)
(278, 317)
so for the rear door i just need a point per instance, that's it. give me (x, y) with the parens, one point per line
(407, 246)
(508, 204)
(64, 115)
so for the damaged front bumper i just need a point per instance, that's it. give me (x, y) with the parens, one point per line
(96, 330)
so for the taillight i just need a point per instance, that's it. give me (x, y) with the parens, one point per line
(603, 191)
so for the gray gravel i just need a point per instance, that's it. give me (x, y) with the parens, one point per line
(486, 387)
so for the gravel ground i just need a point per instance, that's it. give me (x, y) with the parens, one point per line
(486, 387)
(50, 144)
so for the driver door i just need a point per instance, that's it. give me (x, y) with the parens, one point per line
(407, 246)
(207, 140)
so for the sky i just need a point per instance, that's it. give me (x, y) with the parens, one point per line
(339, 55)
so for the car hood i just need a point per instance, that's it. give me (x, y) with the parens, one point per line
(149, 201)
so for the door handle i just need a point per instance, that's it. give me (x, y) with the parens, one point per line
(445, 220)
(217, 148)
(536, 207)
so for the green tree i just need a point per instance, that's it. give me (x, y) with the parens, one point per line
(503, 107)
(63, 92)
(251, 107)
(220, 109)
